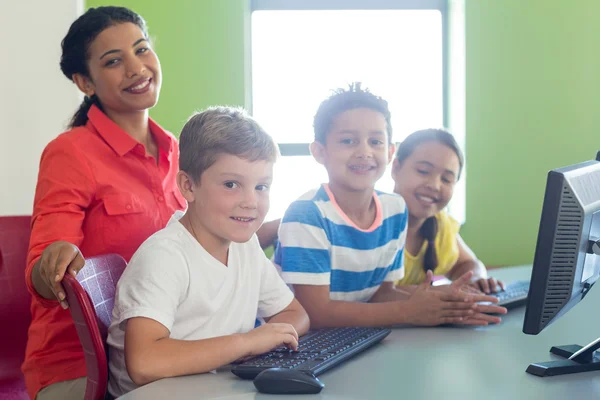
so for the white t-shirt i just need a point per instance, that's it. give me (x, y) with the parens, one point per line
(173, 280)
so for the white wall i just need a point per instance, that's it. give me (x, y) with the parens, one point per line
(36, 100)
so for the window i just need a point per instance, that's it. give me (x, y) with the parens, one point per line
(303, 49)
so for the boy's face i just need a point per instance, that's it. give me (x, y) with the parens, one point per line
(426, 179)
(231, 201)
(356, 150)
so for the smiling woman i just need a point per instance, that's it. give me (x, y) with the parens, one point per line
(104, 186)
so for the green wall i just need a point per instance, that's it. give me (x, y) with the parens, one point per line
(532, 97)
(532, 104)
(201, 47)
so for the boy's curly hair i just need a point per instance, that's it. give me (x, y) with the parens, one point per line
(348, 99)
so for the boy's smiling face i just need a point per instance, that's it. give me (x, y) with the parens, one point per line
(231, 200)
(356, 150)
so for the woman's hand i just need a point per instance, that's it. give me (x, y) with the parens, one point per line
(57, 259)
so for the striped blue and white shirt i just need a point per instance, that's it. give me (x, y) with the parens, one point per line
(320, 245)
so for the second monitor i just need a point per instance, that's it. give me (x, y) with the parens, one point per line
(567, 261)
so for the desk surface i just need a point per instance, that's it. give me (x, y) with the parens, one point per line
(428, 363)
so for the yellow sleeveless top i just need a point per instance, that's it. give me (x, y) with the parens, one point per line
(446, 246)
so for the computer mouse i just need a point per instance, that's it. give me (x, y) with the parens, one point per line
(287, 381)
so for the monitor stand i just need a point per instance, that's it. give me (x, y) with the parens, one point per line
(578, 359)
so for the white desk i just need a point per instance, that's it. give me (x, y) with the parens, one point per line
(430, 363)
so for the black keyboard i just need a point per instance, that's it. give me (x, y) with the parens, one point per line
(318, 351)
(513, 295)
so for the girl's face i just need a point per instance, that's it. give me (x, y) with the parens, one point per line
(426, 179)
(124, 71)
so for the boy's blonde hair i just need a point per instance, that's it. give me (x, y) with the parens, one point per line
(218, 130)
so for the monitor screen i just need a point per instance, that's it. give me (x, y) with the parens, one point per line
(567, 254)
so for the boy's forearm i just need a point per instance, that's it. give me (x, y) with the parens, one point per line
(397, 293)
(347, 313)
(297, 318)
(171, 357)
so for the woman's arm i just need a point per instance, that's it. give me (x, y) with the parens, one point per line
(64, 190)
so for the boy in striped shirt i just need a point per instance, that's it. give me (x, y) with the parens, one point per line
(341, 245)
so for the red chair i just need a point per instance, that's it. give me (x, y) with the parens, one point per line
(15, 301)
(91, 298)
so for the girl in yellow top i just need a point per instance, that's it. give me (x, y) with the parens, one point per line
(427, 166)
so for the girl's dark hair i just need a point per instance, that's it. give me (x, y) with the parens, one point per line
(348, 99)
(429, 228)
(76, 44)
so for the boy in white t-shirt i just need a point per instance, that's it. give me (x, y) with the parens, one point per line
(187, 301)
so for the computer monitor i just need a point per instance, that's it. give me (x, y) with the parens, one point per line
(567, 261)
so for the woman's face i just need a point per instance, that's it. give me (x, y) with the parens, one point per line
(426, 178)
(124, 71)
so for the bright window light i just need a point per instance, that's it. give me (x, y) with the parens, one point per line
(299, 56)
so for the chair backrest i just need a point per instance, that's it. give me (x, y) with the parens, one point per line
(15, 300)
(91, 298)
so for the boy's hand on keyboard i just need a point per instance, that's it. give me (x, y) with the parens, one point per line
(268, 336)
